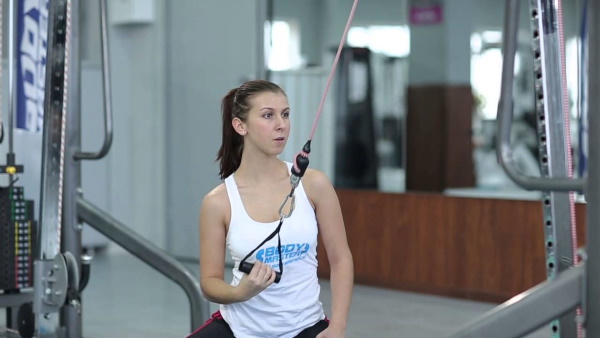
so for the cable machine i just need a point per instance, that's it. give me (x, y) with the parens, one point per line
(44, 271)
(569, 300)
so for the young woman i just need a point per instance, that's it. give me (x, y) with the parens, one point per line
(241, 213)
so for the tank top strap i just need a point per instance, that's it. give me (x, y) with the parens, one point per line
(235, 199)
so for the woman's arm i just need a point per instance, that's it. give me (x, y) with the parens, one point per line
(212, 256)
(333, 234)
(212, 249)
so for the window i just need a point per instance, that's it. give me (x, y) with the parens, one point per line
(486, 74)
(486, 71)
(284, 48)
(387, 40)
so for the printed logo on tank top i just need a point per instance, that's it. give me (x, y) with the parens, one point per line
(290, 253)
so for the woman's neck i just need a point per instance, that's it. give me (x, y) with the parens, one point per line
(258, 169)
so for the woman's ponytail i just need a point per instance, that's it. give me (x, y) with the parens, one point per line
(232, 144)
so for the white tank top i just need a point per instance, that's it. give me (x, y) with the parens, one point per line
(286, 308)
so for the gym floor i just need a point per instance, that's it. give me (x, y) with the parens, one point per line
(126, 298)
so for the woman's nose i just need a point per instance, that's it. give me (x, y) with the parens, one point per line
(280, 123)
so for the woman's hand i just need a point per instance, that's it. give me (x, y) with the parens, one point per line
(259, 278)
(332, 332)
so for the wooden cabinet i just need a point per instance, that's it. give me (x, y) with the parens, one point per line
(473, 248)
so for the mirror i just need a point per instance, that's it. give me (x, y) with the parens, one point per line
(361, 138)
(359, 142)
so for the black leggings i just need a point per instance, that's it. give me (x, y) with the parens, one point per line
(216, 327)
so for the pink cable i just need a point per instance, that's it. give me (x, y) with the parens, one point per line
(335, 62)
(1, 131)
(567, 116)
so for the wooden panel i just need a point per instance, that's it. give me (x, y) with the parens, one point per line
(480, 249)
(424, 138)
(439, 151)
(458, 157)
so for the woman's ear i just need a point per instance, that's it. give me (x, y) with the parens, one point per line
(239, 126)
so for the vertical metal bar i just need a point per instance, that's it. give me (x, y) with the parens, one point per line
(592, 309)
(52, 136)
(70, 318)
(52, 152)
(12, 80)
(267, 39)
(107, 91)
(262, 11)
(552, 146)
(505, 112)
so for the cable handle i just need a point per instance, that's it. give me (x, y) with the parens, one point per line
(297, 172)
(300, 165)
(246, 267)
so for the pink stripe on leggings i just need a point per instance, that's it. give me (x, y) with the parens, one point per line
(216, 315)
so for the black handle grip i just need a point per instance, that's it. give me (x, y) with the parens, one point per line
(302, 161)
(246, 267)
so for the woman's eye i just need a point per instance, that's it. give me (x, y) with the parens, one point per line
(286, 115)
(268, 115)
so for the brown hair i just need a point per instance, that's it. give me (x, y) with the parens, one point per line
(237, 104)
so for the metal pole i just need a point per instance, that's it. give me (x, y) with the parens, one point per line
(505, 114)
(107, 91)
(529, 310)
(70, 318)
(12, 80)
(150, 254)
(592, 307)
(262, 16)
(52, 178)
(267, 38)
(552, 145)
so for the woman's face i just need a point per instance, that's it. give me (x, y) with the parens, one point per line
(268, 125)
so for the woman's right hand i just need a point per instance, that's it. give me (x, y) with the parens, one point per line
(259, 278)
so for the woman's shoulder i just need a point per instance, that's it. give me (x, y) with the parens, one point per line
(315, 182)
(216, 199)
(316, 178)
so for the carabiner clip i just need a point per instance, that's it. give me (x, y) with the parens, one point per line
(292, 205)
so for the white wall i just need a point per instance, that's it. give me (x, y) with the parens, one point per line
(303, 12)
(212, 47)
(138, 57)
(167, 79)
(130, 183)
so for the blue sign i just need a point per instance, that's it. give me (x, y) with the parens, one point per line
(31, 45)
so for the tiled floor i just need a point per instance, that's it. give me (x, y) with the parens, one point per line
(125, 298)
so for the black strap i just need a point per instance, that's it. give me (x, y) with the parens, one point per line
(276, 232)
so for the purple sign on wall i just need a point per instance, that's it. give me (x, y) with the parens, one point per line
(425, 12)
